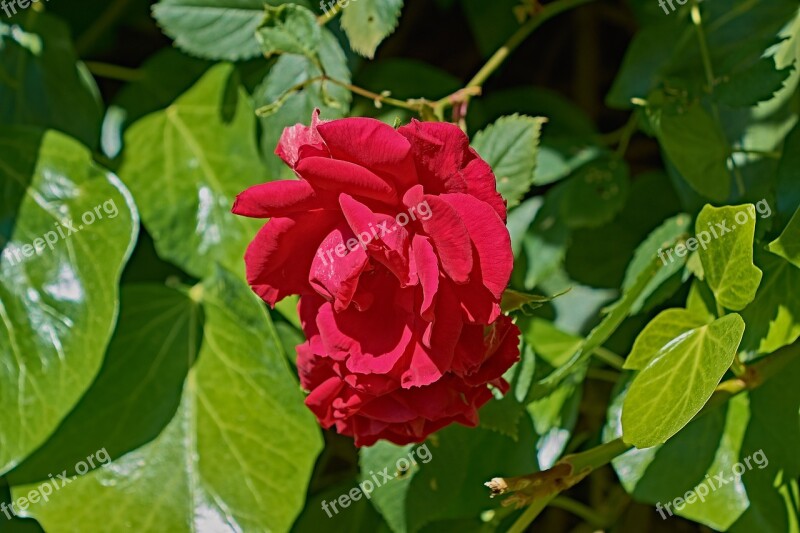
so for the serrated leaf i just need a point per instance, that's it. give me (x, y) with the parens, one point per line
(666, 328)
(595, 194)
(728, 257)
(41, 83)
(214, 29)
(673, 387)
(58, 303)
(220, 444)
(368, 22)
(694, 143)
(788, 244)
(186, 164)
(755, 84)
(510, 146)
(289, 29)
(297, 107)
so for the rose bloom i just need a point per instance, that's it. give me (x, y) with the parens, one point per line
(396, 242)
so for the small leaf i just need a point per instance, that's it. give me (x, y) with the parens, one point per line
(673, 387)
(289, 29)
(788, 244)
(368, 22)
(665, 329)
(510, 146)
(515, 301)
(728, 255)
(755, 84)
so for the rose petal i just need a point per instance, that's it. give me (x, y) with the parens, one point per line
(334, 175)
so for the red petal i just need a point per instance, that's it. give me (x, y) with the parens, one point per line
(335, 175)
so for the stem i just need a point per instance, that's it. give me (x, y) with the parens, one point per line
(411, 106)
(530, 515)
(627, 132)
(580, 510)
(609, 357)
(549, 11)
(774, 154)
(96, 30)
(113, 72)
(705, 53)
(329, 15)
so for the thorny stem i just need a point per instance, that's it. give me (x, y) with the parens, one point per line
(539, 489)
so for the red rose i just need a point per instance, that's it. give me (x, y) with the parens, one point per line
(396, 242)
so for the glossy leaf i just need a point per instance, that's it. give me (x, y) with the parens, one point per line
(202, 149)
(203, 462)
(58, 298)
(674, 386)
(660, 334)
(728, 257)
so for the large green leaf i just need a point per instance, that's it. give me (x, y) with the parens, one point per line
(674, 386)
(58, 298)
(214, 29)
(232, 446)
(765, 419)
(40, 82)
(659, 334)
(727, 257)
(510, 146)
(696, 146)
(186, 164)
(368, 22)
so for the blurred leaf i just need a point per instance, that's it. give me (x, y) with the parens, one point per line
(756, 84)
(595, 194)
(728, 257)
(674, 386)
(368, 22)
(58, 299)
(510, 146)
(788, 192)
(202, 149)
(204, 462)
(41, 83)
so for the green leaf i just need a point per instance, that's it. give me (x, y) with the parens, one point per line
(296, 107)
(510, 146)
(755, 84)
(595, 194)
(236, 435)
(450, 484)
(41, 83)
(515, 301)
(289, 29)
(695, 145)
(788, 244)
(728, 257)
(368, 22)
(186, 164)
(214, 29)
(58, 302)
(773, 318)
(674, 386)
(658, 336)
(658, 243)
